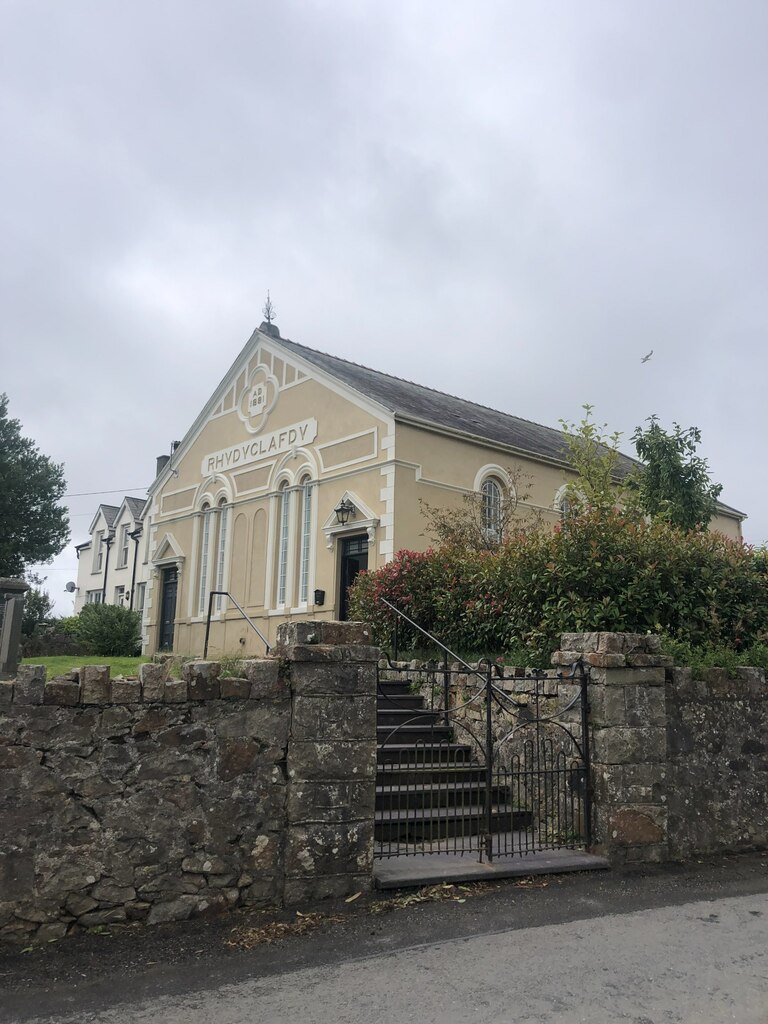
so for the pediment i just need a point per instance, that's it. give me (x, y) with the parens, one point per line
(364, 519)
(167, 550)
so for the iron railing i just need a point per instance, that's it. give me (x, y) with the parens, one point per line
(473, 760)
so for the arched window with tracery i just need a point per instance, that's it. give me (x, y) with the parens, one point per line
(204, 558)
(306, 539)
(282, 548)
(492, 499)
(223, 515)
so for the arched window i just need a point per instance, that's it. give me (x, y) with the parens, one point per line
(492, 525)
(567, 502)
(306, 539)
(222, 543)
(282, 550)
(205, 543)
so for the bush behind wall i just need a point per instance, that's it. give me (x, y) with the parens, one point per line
(596, 571)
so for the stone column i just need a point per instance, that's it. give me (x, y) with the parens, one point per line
(331, 758)
(628, 730)
(11, 613)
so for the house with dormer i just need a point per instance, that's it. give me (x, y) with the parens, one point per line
(110, 569)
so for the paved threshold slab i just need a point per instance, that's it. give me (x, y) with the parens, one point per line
(431, 869)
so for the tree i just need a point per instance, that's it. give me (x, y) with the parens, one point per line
(33, 525)
(595, 456)
(674, 485)
(38, 606)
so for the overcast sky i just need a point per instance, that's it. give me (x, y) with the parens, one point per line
(512, 202)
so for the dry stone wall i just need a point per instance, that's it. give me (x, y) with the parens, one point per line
(157, 799)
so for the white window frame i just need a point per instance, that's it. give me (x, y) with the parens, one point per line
(306, 540)
(282, 545)
(93, 596)
(223, 514)
(98, 549)
(140, 597)
(124, 546)
(205, 541)
(119, 594)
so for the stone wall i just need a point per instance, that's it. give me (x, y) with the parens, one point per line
(717, 761)
(156, 799)
(680, 765)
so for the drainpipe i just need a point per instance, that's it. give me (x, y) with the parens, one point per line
(108, 542)
(134, 535)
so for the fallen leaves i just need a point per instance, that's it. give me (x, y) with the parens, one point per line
(431, 894)
(244, 937)
(274, 931)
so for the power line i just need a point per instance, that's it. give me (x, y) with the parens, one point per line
(119, 490)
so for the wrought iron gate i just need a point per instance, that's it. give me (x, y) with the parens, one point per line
(472, 760)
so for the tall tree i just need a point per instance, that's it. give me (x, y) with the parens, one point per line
(33, 525)
(674, 484)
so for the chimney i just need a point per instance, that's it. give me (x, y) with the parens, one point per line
(267, 328)
(162, 462)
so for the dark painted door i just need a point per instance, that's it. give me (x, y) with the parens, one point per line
(168, 608)
(354, 558)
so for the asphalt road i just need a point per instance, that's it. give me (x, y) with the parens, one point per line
(674, 945)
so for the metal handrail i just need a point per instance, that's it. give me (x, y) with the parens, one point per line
(248, 619)
(438, 643)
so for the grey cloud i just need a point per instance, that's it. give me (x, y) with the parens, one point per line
(508, 201)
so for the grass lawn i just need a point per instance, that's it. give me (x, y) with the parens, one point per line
(61, 663)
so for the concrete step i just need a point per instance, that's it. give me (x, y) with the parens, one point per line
(407, 716)
(406, 755)
(395, 686)
(399, 701)
(428, 775)
(431, 795)
(426, 734)
(429, 825)
(398, 872)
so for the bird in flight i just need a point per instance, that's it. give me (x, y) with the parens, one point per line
(646, 358)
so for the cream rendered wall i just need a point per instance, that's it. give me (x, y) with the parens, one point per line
(251, 495)
(729, 525)
(440, 468)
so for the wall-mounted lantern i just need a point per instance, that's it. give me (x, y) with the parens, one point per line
(344, 510)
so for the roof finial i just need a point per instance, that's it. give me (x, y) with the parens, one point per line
(269, 310)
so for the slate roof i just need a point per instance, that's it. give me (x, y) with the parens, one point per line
(414, 402)
(136, 506)
(110, 514)
(435, 408)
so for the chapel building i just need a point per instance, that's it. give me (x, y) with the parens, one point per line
(304, 469)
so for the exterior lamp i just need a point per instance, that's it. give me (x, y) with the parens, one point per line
(344, 510)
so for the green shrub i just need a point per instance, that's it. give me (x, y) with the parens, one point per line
(597, 571)
(109, 630)
(702, 657)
